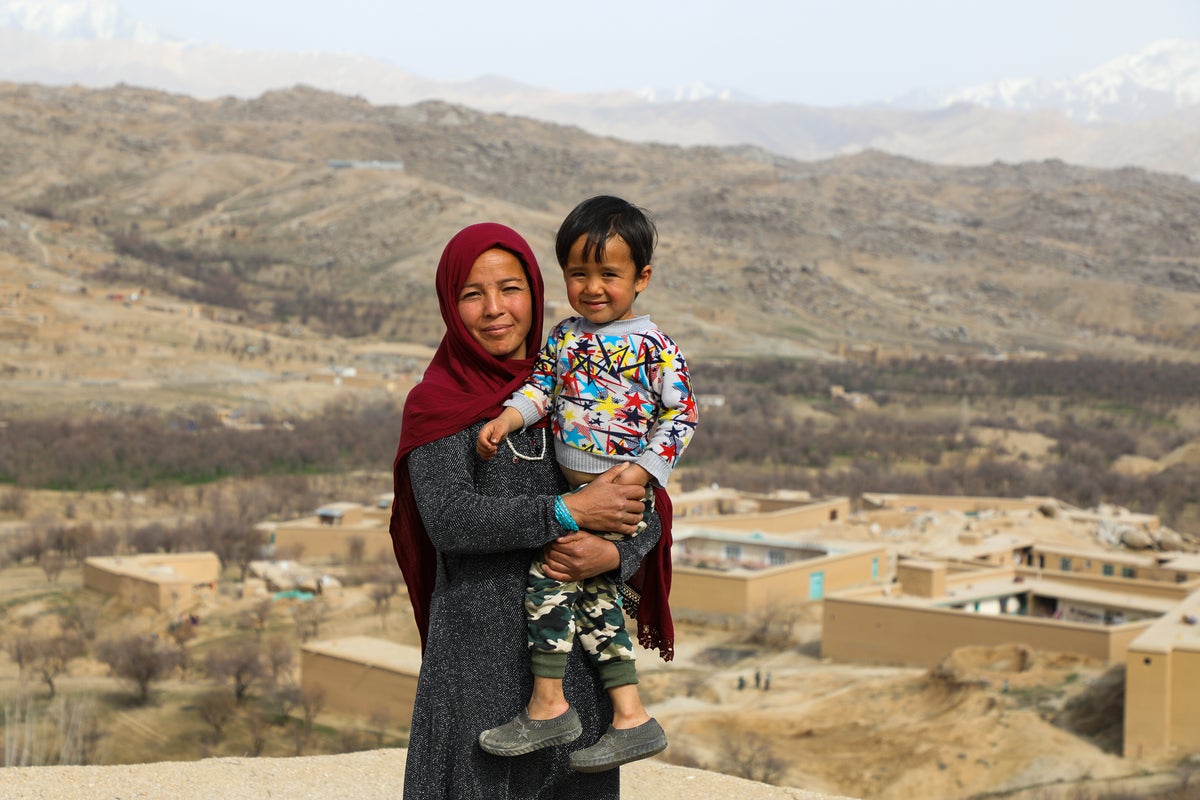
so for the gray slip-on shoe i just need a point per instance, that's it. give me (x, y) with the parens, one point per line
(521, 735)
(617, 747)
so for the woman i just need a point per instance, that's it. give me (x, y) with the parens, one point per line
(464, 531)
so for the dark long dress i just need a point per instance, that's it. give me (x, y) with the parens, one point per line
(487, 520)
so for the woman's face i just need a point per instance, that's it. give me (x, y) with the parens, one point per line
(496, 305)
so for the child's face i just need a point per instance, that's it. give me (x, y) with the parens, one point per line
(602, 292)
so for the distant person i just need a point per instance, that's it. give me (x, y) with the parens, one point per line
(464, 532)
(618, 392)
(757, 678)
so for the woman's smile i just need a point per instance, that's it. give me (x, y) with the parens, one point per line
(495, 304)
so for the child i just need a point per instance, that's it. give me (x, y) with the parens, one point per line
(620, 394)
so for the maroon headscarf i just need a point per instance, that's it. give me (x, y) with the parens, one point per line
(464, 384)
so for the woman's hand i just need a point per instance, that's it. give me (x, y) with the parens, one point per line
(579, 555)
(603, 505)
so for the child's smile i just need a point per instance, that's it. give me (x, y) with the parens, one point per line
(603, 289)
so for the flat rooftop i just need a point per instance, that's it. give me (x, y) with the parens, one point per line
(152, 566)
(371, 651)
(990, 545)
(989, 588)
(1179, 629)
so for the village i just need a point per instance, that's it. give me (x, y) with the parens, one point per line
(904, 581)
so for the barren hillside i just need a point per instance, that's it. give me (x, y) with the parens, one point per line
(235, 204)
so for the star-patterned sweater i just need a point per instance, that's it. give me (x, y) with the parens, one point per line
(620, 392)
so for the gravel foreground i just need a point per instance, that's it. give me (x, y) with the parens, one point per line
(368, 775)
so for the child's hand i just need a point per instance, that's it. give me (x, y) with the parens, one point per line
(633, 475)
(490, 436)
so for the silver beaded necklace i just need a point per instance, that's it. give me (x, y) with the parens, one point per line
(519, 455)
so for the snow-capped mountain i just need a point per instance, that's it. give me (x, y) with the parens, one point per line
(1149, 101)
(693, 92)
(1160, 79)
(75, 19)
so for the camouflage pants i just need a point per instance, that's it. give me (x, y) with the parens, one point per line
(558, 612)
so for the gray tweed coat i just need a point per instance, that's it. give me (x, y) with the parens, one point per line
(487, 519)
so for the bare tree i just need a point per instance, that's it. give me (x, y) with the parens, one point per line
(33, 544)
(242, 663)
(181, 632)
(256, 619)
(379, 723)
(52, 563)
(774, 623)
(79, 541)
(309, 617)
(81, 619)
(108, 542)
(141, 659)
(750, 757)
(252, 501)
(47, 656)
(388, 574)
(280, 656)
(312, 702)
(283, 701)
(216, 708)
(53, 654)
(356, 547)
(14, 502)
(247, 546)
(381, 596)
(153, 537)
(21, 650)
(257, 726)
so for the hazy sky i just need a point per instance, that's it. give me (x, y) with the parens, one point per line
(826, 53)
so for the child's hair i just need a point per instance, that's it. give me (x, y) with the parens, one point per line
(601, 217)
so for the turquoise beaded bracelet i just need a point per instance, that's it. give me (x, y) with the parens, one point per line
(563, 515)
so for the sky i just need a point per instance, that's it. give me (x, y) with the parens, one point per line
(831, 52)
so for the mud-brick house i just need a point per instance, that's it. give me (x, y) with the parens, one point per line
(171, 582)
(332, 531)
(727, 576)
(363, 675)
(1162, 685)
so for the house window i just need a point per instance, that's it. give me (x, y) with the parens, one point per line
(875, 568)
(733, 552)
(1107, 569)
(776, 558)
(816, 585)
(1128, 572)
(1064, 564)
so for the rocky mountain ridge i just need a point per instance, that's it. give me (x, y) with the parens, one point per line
(760, 254)
(1139, 110)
